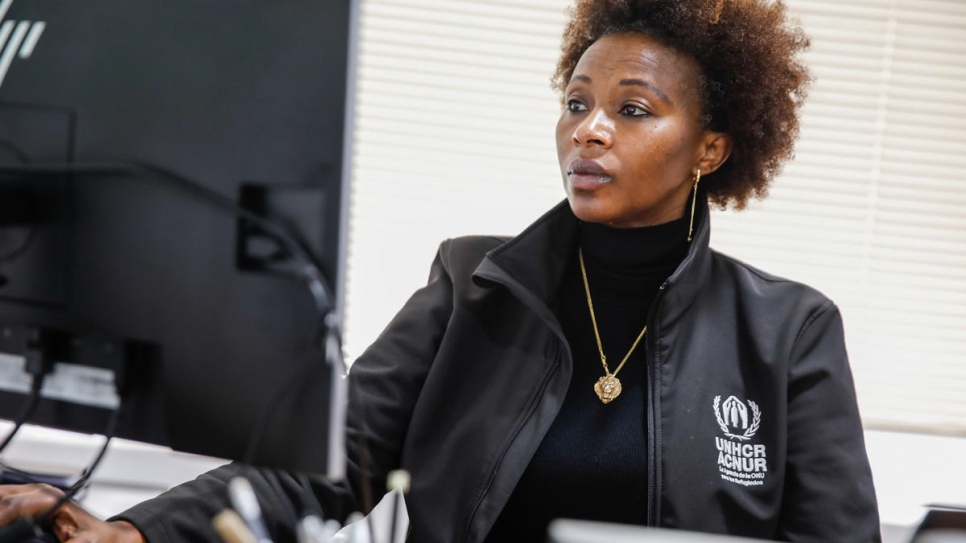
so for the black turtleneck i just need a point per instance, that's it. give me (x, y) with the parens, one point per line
(592, 463)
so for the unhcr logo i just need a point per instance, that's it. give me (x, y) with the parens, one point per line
(739, 462)
(17, 39)
(735, 417)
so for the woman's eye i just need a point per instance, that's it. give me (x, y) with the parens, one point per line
(574, 106)
(633, 111)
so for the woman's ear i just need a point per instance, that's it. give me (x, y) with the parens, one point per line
(715, 150)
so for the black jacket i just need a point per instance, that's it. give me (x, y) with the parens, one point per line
(753, 427)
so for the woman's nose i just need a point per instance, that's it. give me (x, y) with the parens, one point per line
(597, 128)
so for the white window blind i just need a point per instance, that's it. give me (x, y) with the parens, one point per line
(454, 135)
(873, 210)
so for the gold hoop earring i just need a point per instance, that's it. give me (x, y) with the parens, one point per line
(694, 200)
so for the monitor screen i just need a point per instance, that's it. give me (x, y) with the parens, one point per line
(131, 134)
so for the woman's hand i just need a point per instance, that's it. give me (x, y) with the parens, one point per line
(71, 523)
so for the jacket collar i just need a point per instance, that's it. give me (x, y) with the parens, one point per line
(533, 263)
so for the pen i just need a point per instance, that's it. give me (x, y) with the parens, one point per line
(231, 528)
(244, 501)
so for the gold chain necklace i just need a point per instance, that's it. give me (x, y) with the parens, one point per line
(607, 387)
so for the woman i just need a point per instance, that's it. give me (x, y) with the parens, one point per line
(605, 364)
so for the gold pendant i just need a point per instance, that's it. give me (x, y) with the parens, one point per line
(607, 388)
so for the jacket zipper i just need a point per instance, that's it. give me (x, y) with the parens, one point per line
(653, 488)
(522, 295)
(489, 482)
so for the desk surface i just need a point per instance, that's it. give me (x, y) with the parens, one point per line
(130, 473)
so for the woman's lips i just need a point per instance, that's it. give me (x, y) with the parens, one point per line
(587, 174)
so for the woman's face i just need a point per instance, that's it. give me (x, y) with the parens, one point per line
(629, 139)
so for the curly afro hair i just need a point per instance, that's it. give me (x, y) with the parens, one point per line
(753, 83)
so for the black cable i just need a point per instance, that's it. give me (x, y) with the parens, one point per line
(324, 338)
(267, 412)
(15, 150)
(309, 270)
(83, 476)
(22, 248)
(28, 410)
(328, 344)
(86, 474)
(21, 156)
(25, 529)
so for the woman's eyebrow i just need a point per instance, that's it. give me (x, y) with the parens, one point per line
(645, 84)
(628, 83)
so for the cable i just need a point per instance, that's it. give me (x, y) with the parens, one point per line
(85, 475)
(22, 248)
(327, 341)
(267, 412)
(26, 529)
(28, 410)
(308, 271)
(15, 150)
(28, 240)
(82, 478)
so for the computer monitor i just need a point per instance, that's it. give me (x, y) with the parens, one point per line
(135, 136)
